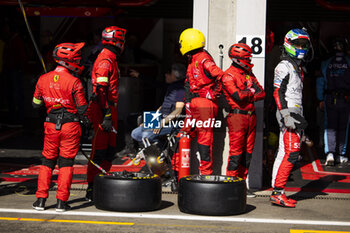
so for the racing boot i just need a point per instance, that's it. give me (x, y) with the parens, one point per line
(39, 204)
(279, 198)
(89, 192)
(62, 206)
(292, 201)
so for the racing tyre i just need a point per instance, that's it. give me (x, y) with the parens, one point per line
(127, 192)
(212, 195)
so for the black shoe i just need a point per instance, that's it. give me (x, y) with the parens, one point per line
(89, 192)
(62, 206)
(39, 204)
(250, 194)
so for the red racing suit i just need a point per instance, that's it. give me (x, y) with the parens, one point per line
(201, 88)
(241, 89)
(105, 81)
(64, 99)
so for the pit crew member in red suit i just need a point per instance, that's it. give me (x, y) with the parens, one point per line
(241, 89)
(103, 105)
(63, 96)
(201, 89)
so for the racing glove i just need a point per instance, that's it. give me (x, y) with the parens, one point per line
(293, 120)
(107, 123)
(303, 123)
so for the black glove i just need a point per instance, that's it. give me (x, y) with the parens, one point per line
(107, 123)
(84, 121)
(303, 123)
(86, 127)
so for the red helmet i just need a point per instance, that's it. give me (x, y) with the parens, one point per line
(114, 36)
(69, 56)
(242, 55)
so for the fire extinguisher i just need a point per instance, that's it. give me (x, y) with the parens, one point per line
(184, 150)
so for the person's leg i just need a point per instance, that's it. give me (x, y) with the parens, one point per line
(249, 145)
(237, 133)
(164, 131)
(287, 156)
(112, 142)
(331, 123)
(343, 131)
(50, 153)
(99, 141)
(99, 150)
(203, 110)
(136, 134)
(69, 147)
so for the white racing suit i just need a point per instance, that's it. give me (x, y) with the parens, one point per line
(288, 87)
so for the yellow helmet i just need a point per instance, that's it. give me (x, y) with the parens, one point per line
(191, 39)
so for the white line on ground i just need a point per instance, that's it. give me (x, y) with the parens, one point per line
(181, 217)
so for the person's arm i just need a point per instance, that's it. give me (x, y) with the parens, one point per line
(134, 73)
(37, 98)
(216, 73)
(238, 95)
(102, 84)
(259, 90)
(212, 69)
(79, 97)
(280, 83)
(174, 114)
(321, 85)
(188, 95)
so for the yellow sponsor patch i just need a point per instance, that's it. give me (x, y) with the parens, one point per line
(247, 77)
(196, 64)
(55, 78)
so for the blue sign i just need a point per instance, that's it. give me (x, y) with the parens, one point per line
(151, 120)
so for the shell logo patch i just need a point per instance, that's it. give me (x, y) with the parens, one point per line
(247, 77)
(55, 78)
(196, 64)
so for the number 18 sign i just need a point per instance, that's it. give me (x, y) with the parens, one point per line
(257, 43)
